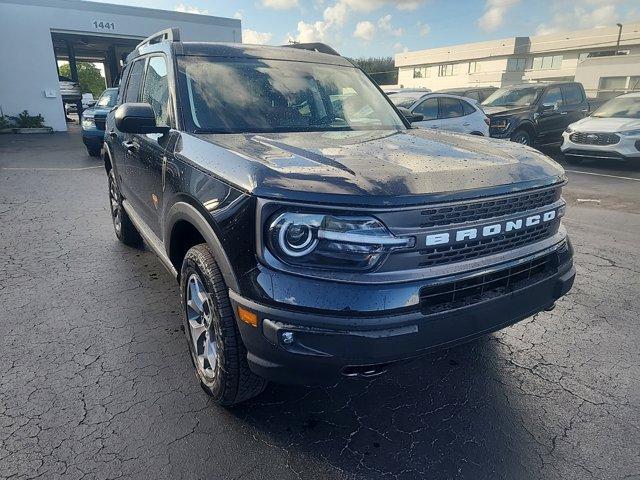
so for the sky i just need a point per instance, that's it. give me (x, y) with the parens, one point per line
(374, 28)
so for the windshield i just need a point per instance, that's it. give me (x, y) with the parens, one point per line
(512, 97)
(261, 95)
(108, 98)
(405, 99)
(621, 107)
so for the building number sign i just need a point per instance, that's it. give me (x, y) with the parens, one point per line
(100, 25)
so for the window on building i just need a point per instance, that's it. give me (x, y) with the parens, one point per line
(428, 109)
(420, 72)
(135, 79)
(572, 94)
(516, 64)
(451, 108)
(445, 70)
(155, 91)
(548, 62)
(473, 67)
(610, 87)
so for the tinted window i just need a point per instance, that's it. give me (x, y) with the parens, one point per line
(135, 79)
(156, 89)
(473, 94)
(428, 108)
(572, 94)
(552, 96)
(510, 97)
(467, 108)
(451, 108)
(264, 95)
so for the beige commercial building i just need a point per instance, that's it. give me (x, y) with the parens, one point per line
(587, 56)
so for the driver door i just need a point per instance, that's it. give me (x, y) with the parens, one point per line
(550, 120)
(428, 108)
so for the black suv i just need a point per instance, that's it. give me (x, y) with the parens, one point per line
(313, 232)
(535, 113)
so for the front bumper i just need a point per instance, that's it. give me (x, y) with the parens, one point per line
(92, 138)
(628, 148)
(324, 346)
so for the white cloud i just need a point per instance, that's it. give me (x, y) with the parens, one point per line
(494, 13)
(257, 38)
(310, 32)
(385, 24)
(336, 14)
(398, 47)
(580, 14)
(181, 7)
(369, 5)
(365, 31)
(238, 15)
(423, 29)
(280, 4)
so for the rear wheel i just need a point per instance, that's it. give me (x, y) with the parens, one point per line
(215, 345)
(122, 225)
(522, 137)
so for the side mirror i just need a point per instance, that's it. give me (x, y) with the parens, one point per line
(410, 116)
(137, 118)
(548, 107)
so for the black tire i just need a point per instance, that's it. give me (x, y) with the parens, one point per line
(521, 136)
(125, 230)
(94, 152)
(230, 381)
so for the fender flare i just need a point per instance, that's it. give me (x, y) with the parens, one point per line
(183, 211)
(526, 125)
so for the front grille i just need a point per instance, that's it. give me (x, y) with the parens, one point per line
(471, 249)
(468, 291)
(594, 138)
(486, 209)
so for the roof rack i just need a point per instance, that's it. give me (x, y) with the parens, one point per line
(315, 47)
(169, 35)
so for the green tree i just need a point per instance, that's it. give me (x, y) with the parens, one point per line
(381, 69)
(89, 77)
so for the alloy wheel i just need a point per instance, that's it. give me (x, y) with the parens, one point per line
(114, 203)
(200, 316)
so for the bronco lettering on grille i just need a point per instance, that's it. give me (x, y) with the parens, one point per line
(485, 231)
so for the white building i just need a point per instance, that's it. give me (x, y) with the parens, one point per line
(588, 56)
(37, 33)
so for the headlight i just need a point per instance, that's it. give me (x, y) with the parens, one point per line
(88, 122)
(330, 241)
(502, 123)
(631, 133)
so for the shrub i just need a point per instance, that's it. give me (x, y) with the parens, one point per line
(5, 122)
(24, 120)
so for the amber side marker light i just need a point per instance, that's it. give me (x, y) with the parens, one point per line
(247, 316)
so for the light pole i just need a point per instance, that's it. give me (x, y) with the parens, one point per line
(619, 35)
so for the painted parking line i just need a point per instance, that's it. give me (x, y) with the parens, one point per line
(53, 169)
(604, 175)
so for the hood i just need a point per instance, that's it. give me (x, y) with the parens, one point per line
(371, 167)
(93, 111)
(606, 125)
(490, 111)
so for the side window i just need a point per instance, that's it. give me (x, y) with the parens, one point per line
(450, 108)
(121, 83)
(552, 96)
(155, 90)
(428, 108)
(572, 94)
(467, 108)
(135, 78)
(474, 95)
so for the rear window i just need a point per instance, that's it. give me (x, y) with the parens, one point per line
(451, 108)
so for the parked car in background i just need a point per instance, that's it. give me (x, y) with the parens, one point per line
(93, 120)
(535, 113)
(445, 112)
(69, 90)
(87, 102)
(479, 94)
(611, 132)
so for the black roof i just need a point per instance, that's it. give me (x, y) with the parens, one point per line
(240, 50)
(467, 89)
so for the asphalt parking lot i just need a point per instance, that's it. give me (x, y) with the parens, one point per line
(96, 381)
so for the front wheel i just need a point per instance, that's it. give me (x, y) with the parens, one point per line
(522, 137)
(122, 225)
(217, 351)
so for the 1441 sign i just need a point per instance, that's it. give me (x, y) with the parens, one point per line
(100, 25)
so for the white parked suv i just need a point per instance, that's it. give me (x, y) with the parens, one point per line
(444, 112)
(611, 132)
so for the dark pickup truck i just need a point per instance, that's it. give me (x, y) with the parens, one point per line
(315, 234)
(535, 113)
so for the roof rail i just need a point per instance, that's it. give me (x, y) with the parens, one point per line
(169, 35)
(315, 47)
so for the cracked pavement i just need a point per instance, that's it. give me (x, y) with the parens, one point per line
(96, 380)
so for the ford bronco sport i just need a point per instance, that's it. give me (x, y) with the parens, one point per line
(313, 232)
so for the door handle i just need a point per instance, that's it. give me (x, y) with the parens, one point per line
(466, 124)
(129, 146)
